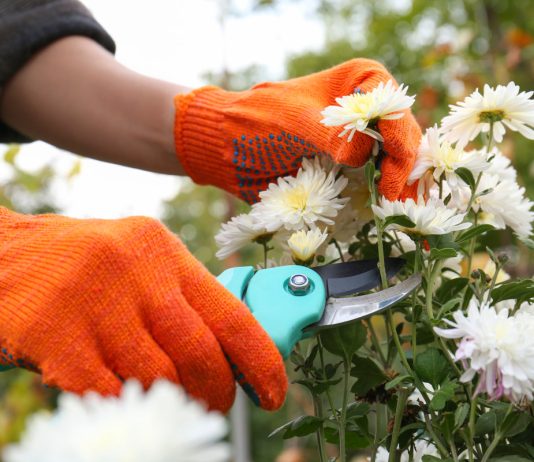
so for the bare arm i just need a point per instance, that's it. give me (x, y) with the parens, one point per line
(75, 95)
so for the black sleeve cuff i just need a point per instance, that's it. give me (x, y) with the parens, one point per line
(27, 26)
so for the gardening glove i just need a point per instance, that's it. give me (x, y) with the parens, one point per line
(242, 141)
(90, 303)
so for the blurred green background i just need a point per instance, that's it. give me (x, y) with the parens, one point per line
(442, 49)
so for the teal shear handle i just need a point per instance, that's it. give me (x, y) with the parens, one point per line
(284, 300)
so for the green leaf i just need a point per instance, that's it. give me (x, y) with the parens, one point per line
(515, 423)
(353, 440)
(442, 254)
(467, 176)
(449, 306)
(369, 375)
(401, 220)
(472, 232)
(521, 290)
(441, 241)
(301, 426)
(449, 289)
(432, 366)
(442, 395)
(357, 409)
(397, 380)
(436, 459)
(460, 415)
(486, 423)
(344, 340)
(510, 458)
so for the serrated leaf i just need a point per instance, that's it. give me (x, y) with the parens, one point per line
(442, 395)
(369, 376)
(301, 426)
(467, 176)
(442, 254)
(344, 340)
(432, 366)
(472, 232)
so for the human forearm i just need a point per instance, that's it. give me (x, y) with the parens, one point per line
(75, 95)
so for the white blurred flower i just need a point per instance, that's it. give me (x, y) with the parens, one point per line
(429, 217)
(500, 165)
(360, 112)
(504, 205)
(302, 201)
(238, 232)
(441, 158)
(304, 244)
(162, 425)
(505, 106)
(358, 193)
(422, 448)
(499, 347)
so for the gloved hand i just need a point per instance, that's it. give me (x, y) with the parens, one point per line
(90, 302)
(241, 141)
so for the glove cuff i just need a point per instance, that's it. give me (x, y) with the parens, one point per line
(198, 136)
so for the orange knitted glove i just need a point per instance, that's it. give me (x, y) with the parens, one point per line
(89, 303)
(242, 141)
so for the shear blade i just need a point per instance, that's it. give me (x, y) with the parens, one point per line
(349, 278)
(344, 310)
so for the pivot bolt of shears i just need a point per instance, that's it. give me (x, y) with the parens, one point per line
(299, 284)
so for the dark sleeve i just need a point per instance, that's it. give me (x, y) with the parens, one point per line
(27, 26)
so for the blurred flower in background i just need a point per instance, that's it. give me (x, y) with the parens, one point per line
(161, 425)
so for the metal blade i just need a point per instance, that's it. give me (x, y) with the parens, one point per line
(349, 278)
(344, 310)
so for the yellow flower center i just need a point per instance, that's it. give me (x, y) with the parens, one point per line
(449, 155)
(491, 116)
(364, 103)
(297, 198)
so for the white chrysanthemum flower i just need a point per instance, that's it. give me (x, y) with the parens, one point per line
(430, 217)
(240, 231)
(499, 165)
(360, 112)
(505, 106)
(441, 158)
(504, 205)
(499, 347)
(301, 202)
(304, 244)
(422, 448)
(162, 425)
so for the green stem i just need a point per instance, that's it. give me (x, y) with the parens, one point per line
(472, 245)
(495, 442)
(333, 409)
(343, 416)
(471, 426)
(376, 343)
(381, 256)
(321, 442)
(336, 243)
(414, 300)
(435, 439)
(399, 411)
(265, 252)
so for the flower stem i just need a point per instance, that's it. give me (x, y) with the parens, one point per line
(414, 299)
(265, 252)
(336, 243)
(376, 343)
(343, 416)
(399, 411)
(472, 245)
(333, 409)
(471, 426)
(320, 431)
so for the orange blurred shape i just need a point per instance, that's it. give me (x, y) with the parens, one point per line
(518, 37)
(428, 97)
(292, 454)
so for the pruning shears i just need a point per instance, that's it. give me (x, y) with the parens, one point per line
(294, 302)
